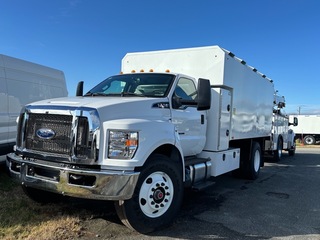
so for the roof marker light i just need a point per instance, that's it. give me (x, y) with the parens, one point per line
(167, 70)
(231, 54)
(133, 71)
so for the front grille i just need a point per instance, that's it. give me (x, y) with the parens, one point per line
(61, 125)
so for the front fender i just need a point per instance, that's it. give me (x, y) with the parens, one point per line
(152, 135)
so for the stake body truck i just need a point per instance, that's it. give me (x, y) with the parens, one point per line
(172, 119)
(308, 129)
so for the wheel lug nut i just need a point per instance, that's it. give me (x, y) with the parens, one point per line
(152, 203)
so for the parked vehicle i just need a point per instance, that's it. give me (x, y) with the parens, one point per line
(282, 137)
(308, 130)
(172, 119)
(23, 82)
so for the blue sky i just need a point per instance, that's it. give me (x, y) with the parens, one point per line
(87, 39)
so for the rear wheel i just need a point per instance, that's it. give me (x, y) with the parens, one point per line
(157, 196)
(309, 140)
(277, 154)
(292, 151)
(253, 166)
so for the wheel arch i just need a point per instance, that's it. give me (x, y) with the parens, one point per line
(172, 152)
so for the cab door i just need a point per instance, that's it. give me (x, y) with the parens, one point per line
(189, 122)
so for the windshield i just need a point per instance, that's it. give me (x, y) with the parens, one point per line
(137, 84)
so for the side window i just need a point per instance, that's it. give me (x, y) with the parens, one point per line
(186, 89)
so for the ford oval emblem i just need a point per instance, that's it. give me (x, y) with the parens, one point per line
(45, 133)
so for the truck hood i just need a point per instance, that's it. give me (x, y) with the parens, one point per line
(109, 107)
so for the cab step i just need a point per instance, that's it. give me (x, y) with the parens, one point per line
(202, 185)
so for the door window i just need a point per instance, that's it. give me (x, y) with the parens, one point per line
(186, 89)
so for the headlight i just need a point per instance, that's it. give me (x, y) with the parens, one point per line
(122, 144)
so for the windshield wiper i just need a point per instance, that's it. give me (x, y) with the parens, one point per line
(101, 94)
(122, 94)
(131, 94)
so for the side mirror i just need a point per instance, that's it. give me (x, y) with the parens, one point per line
(295, 122)
(79, 91)
(204, 94)
(203, 100)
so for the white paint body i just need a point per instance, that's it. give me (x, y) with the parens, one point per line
(23, 82)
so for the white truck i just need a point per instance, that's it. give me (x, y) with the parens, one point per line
(308, 130)
(282, 137)
(23, 82)
(172, 119)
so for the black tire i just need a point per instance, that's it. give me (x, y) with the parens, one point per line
(254, 163)
(277, 154)
(309, 140)
(292, 151)
(41, 196)
(157, 197)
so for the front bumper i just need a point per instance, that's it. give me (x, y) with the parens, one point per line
(72, 181)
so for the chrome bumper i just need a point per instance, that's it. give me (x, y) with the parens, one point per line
(82, 183)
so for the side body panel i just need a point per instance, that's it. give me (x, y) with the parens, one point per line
(26, 82)
(4, 115)
(219, 120)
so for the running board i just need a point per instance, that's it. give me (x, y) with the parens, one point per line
(202, 185)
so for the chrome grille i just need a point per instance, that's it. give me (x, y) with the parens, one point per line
(61, 143)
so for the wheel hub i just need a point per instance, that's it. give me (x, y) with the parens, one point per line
(156, 194)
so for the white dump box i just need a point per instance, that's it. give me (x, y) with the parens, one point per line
(242, 97)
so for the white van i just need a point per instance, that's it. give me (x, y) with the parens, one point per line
(23, 82)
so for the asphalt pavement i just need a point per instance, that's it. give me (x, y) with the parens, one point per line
(283, 203)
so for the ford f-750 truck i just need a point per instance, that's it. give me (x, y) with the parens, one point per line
(172, 119)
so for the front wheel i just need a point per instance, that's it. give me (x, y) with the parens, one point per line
(157, 197)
